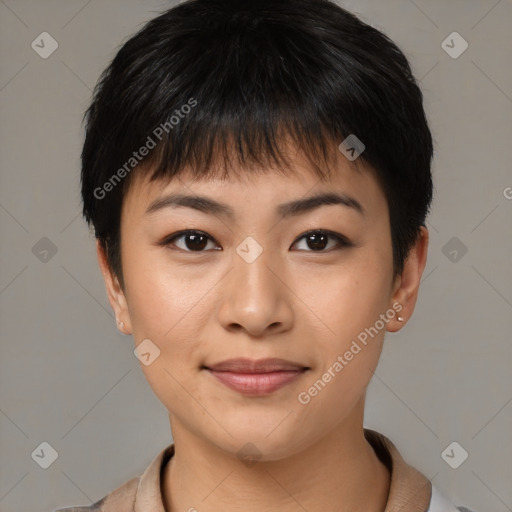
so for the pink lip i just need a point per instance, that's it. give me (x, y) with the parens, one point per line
(256, 377)
(256, 384)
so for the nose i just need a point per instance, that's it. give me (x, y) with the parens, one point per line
(256, 297)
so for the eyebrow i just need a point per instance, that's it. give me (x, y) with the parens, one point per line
(284, 210)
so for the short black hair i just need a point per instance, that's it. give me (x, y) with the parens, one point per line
(209, 80)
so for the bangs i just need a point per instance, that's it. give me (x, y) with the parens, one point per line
(227, 151)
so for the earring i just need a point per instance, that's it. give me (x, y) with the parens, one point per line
(400, 318)
(121, 327)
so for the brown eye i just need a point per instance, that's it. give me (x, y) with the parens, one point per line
(192, 241)
(318, 241)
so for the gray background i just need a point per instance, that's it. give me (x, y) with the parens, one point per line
(70, 379)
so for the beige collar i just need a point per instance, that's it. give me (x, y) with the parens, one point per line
(410, 490)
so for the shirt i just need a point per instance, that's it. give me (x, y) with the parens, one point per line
(410, 490)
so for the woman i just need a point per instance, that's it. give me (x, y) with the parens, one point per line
(258, 177)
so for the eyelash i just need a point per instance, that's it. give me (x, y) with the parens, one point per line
(342, 241)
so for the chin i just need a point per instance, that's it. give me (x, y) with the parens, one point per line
(255, 444)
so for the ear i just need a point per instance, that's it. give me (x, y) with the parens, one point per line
(407, 284)
(115, 293)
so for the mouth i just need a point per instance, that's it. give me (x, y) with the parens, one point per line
(256, 377)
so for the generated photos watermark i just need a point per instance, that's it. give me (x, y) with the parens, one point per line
(143, 151)
(304, 397)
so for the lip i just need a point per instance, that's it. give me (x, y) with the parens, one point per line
(256, 377)
(244, 365)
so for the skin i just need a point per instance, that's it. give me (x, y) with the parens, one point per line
(292, 302)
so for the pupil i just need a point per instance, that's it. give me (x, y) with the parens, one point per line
(198, 242)
(317, 246)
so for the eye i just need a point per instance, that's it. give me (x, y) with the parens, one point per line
(193, 241)
(318, 239)
(197, 241)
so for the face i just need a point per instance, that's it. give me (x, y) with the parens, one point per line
(256, 278)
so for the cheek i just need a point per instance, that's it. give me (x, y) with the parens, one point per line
(349, 298)
(348, 352)
(163, 306)
(159, 295)
(169, 305)
(348, 306)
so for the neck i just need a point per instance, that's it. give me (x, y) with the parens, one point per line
(340, 472)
